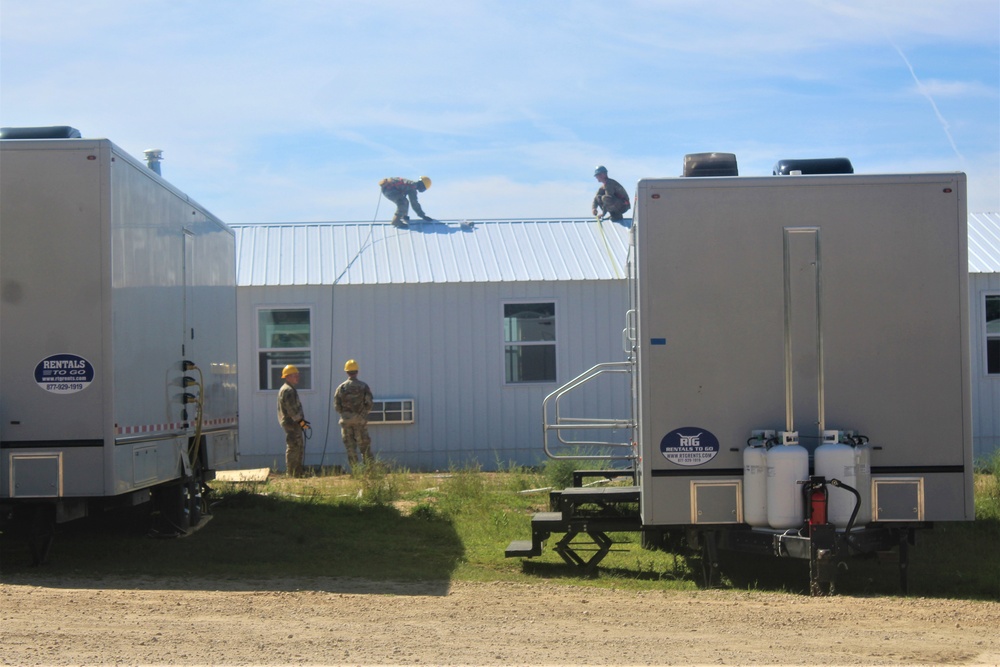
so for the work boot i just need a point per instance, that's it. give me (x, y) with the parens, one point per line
(399, 222)
(616, 217)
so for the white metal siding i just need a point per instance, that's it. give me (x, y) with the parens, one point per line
(441, 345)
(985, 388)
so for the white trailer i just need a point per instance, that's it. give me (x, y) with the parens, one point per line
(799, 349)
(118, 342)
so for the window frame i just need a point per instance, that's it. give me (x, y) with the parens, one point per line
(987, 336)
(308, 385)
(554, 343)
(402, 421)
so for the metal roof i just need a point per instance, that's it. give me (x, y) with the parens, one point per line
(984, 243)
(366, 253)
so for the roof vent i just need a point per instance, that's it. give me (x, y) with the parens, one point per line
(53, 132)
(710, 164)
(153, 158)
(826, 165)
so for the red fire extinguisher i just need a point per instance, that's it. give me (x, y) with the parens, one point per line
(818, 498)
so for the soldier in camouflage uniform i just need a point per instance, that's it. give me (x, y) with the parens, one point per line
(353, 401)
(402, 192)
(292, 421)
(611, 197)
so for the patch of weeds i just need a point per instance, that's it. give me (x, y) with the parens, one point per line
(426, 512)
(518, 478)
(558, 473)
(466, 483)
(379, 485)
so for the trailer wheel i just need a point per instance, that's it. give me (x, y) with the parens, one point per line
(194, 497)
(171, 509)
(709, 560)
(653, 539)
(41, 532)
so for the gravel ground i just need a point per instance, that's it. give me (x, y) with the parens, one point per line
(350, 622)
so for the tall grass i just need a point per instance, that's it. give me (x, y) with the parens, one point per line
(988, 487)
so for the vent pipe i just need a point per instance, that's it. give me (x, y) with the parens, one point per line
(710, 164)
(153, 158)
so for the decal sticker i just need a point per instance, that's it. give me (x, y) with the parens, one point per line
(64, 374)
(689, 446)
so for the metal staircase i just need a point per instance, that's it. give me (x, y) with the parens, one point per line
(584, 516)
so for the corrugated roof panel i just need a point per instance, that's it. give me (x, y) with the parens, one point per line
(984, 243)
(363, 253)
(440, 251)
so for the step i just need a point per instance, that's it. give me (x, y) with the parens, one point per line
(580, 475)
(600, 494)
(522, 549)
(545, 523)
(549, 522)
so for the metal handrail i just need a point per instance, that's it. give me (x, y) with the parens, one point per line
(561, 423)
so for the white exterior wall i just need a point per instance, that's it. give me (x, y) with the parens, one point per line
(441, 345)
(985, 388)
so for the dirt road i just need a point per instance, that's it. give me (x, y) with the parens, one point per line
(336, 621)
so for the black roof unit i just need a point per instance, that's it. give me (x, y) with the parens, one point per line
(825, 165)
(52, 132)
(710, 164)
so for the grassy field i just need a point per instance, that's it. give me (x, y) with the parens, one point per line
(396, 525)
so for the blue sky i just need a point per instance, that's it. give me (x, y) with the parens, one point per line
(293, 110)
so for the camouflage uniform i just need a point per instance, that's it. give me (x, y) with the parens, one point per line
(402, 192)
(612, 198)
(353, 401)
(290, 416)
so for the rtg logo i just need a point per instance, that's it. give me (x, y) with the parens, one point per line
(689, 446)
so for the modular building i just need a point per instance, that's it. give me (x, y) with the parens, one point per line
(460, 329)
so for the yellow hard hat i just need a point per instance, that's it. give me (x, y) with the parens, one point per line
(351, 365)
(426, 181)
(289, 370)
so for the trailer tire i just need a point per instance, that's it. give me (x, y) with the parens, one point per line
(171, 509)
(41, 532)
(194, 495)
(652, 538)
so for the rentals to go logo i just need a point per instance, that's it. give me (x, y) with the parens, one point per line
(689, 446)
(64, 373)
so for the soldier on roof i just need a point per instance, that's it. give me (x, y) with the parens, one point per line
(402, 192)
(611, 197)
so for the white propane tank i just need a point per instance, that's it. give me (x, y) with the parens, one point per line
(787, 465)
(863, 463)
(755, 484)
(836, 460)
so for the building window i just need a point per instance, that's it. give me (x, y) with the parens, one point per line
(993, 334)
(529, 331)
(391, 411)
(284, 337)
